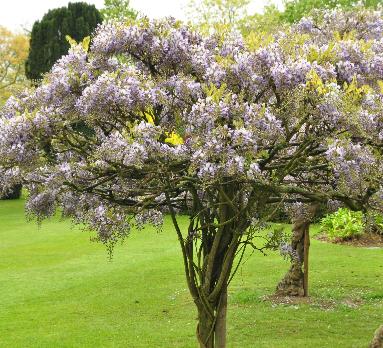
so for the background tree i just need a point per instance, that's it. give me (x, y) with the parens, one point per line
(272, 19)
(13, 53)
(231, 131)
(48, 42)
(296, 9)
(269, 21)
(217, 15)
(118, 9)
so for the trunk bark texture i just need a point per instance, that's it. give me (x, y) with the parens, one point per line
(377, 341)
(295, 282)
(211, 328)
(292, 282)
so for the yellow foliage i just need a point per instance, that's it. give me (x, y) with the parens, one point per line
(174, 139)
(149, 118)
(293, 44)
(148, 114)
(355, 92)
(216, 94)
(380, 85)
(315, 83)
(84, 43)
(348, 35)
(72, 42)
(327, 55)
(256, 40)
(13, 53)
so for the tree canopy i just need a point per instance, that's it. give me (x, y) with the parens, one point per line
(48, 37)
(156, 116)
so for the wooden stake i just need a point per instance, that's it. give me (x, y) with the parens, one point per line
(306, 246)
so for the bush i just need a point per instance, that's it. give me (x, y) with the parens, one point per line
(374, 223)
(343, 224)
(14, 192)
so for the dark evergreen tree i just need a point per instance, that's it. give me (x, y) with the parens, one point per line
(48, 42)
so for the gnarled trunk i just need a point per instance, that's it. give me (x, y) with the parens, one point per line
(295, 281)
(377, 341)
(292, 282)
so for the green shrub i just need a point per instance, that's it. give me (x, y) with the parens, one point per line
(14, 192)
(343, 224)
(374, 223)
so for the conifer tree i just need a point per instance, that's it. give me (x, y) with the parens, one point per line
(48, 42)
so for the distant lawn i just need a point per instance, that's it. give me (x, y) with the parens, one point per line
(58, 289)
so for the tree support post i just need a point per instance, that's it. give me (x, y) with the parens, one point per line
(306, 249)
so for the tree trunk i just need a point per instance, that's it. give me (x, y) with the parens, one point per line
(209, 250)
(205, 329)
(220, 327)
(377, 341)
(292, 282)
(211, 328)
(295, 282)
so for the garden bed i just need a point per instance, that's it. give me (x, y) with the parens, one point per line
(365, 240)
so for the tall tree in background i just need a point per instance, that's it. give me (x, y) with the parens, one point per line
(13, 53)
(297, 9)
(218, 15)
(118, 9)
(272, 19)
(48, 42)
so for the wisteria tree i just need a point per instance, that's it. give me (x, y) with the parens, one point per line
(349, 43)
(154, 118)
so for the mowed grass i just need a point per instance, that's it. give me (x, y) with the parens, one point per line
(58, 289)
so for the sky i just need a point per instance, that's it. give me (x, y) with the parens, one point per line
(21, 14)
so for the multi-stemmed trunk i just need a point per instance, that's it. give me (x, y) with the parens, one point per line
(211, 327)
(211, 292)
(209, 250)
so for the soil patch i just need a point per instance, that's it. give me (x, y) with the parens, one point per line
(320, 303)
(372, 240)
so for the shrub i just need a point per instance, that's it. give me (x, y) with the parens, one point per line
(343, 224)
(374, 223)
(14, 192)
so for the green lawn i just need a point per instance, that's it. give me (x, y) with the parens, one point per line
(58, 289)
